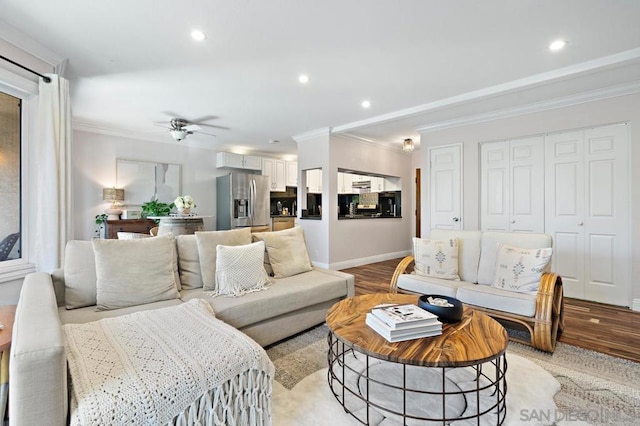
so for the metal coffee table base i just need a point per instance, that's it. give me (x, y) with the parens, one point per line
(370, 389)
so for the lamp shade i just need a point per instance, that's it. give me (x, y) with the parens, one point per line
(113, 194)
(407, 145)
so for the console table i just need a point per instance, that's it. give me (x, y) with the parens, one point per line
(458, 375)
(141, 226)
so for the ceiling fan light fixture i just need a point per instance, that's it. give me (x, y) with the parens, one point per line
(407, 145)
(178, 134)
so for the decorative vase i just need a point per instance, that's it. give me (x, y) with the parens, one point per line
(185, 211)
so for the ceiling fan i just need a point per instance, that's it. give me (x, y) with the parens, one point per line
(180, 128)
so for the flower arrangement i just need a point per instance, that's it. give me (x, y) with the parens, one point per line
(184, 203)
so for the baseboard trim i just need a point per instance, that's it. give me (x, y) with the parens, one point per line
(352, 263)
(635, 305)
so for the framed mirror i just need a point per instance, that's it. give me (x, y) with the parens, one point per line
(144, 181)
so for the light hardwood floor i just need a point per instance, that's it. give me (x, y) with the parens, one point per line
(603, 328)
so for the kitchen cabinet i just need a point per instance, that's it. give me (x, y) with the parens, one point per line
(275, 170)
(392, 184)
(345, 180)
(291, 173)
(314, 181)
(377, 184)
(238, 161)
(282, 222)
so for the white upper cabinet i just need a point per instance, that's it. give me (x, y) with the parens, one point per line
(238, 161)
(275, 169)
(377, 184)
(291, 173)
(392, 184)
(314, 181)
(344, 183)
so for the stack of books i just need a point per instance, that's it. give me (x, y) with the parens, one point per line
(403, 322)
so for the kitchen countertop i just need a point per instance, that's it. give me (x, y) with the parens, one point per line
(367, 216)
(288, 216)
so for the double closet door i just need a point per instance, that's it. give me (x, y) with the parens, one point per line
(575, 187)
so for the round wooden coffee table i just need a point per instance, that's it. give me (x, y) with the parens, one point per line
(458, 375)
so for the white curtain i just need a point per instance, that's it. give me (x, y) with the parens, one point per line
(53, 171)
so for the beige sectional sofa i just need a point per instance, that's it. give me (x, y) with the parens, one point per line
(541, 312)
(38, 384)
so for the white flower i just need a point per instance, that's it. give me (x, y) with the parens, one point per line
(184, 202)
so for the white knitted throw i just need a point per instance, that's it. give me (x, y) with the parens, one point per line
(177, 366)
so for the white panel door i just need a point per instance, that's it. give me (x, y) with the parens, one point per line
(564, 208)
(587, 196)
(494, 190)
(526, 185)
(606, 220)
(445, 187)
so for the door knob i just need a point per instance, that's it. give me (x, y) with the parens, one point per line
(580, 223)
(513, 221)
(456, 219)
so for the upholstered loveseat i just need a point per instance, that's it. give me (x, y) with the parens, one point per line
(540, 311)
(38, 368)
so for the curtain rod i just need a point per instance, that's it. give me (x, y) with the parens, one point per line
(44, 77)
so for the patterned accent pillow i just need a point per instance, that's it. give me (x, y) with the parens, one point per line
(520, 269)
(239, 270)
(436, 258)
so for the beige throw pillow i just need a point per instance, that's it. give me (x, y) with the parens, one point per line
(255, 237)
(239, 270)
(79, 275)
(287, 251)
(189, 262)
(436, 258)
(520, 269)
(207, 243)
(135, 272)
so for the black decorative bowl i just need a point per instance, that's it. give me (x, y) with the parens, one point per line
(444, 313)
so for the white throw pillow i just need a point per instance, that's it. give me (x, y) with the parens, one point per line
(208, 241)
(135, 272)
(287, 251)
(520, 269)
(436, 258)
(239, 270)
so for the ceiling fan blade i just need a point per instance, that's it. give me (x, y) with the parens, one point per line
(191, 127)
(159, 124)
(208, 134)
(171, 114)
(205, 118)
(214, 126)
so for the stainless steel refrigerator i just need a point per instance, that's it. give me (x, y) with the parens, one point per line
(242, 200)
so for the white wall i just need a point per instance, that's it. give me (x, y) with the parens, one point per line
(94, 167)
(313, 153)
(623, 108)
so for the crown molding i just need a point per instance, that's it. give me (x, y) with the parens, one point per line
(372, 142)
(565, 101)
(511, 86)
(22, 41)
(312, 134)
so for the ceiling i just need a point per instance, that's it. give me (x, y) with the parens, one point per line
(421, 63)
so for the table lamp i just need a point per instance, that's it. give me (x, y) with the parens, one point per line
(115, 195)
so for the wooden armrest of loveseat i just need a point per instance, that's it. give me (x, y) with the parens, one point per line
(543, 327)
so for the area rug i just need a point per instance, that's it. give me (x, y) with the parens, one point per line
(573, 386)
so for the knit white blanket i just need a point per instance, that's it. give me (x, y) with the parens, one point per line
(177, 365)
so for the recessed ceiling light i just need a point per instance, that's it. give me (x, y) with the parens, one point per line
(557, 45)
(273, 141)
(366, 104)
(198, 35)
(303, 78)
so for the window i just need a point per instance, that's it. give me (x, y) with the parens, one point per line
(10, 178)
